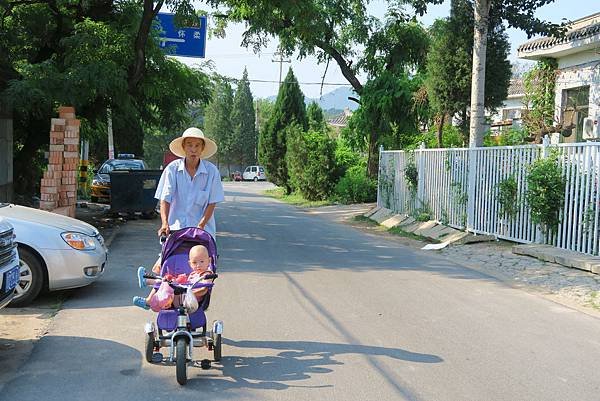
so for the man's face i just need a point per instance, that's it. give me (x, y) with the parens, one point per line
(193, 147)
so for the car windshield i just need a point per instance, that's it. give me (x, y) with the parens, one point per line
(122, 165)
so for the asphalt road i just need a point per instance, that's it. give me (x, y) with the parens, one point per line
(315, 310)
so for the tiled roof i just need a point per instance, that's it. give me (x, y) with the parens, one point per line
(516, 87)
(549, 42)
(341, 120)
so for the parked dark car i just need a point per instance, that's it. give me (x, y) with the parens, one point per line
(9, 263)
(100, 190)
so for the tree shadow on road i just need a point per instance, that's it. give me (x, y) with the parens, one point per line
(299, 361)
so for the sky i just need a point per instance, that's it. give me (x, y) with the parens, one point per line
(229, 58)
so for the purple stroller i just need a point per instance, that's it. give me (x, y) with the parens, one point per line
(178, 328)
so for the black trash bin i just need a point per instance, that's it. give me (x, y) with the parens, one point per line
(133, 190)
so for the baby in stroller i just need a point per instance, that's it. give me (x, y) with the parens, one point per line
(200, 263)
(188, 268)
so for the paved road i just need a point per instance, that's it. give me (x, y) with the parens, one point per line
(315, 310)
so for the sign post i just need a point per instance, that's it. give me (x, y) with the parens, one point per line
(184, 42)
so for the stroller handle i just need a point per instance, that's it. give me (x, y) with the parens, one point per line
(211, 276)
(162, 239)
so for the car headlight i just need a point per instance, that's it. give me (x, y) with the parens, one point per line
(79, 241)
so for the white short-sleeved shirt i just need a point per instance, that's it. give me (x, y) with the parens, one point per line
(189, 196)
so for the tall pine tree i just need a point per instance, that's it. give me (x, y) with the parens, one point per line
(217, 121)
(243, 119)
(316, 120)
(272, 146)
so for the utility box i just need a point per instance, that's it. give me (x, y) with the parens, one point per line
(133, 190)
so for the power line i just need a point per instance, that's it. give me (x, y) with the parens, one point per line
(266, 81)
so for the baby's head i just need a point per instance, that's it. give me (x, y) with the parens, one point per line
(199, 259)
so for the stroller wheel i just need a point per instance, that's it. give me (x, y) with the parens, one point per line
(181, 346)
(149, 347)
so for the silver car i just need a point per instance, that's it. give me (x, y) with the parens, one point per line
(55, 252)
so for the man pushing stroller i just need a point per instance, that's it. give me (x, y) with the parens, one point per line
(188, 191)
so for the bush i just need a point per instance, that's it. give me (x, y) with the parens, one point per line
(345, 158)
(311, 163)
(356, 187)
(451, 138)
(512, 137)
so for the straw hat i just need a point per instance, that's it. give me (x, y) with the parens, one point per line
(176, 145)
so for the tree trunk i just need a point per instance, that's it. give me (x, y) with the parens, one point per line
(440, 129)
(373, 157)
(482, 12)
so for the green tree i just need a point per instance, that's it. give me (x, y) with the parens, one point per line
(218, 121)
(272, 145)
(325, 29)
(316, 120)
(245, 144)
(311, 162)
(92, 56)
(449, 61)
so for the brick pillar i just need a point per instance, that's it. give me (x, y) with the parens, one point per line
(59, 183)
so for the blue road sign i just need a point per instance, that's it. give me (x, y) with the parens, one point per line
(187, 42)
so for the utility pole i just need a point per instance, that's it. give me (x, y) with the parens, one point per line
(280, 61)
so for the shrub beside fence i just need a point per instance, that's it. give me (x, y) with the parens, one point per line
(468, 188)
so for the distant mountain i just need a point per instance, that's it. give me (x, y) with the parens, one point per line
(336, 99)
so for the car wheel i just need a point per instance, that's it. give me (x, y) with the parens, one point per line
(31, 280)
(255, 179)
(93, 199)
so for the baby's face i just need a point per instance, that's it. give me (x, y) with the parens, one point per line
(199, 260)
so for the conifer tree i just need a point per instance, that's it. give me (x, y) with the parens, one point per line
(218, 121)
(316, 120)
(289, 109)
(243, 120)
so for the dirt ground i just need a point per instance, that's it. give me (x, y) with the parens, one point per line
(20, 328)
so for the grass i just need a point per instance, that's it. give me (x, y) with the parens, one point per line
(294, 198)
(594, 300)
(363, 219)
(399, 231)
(394, 230)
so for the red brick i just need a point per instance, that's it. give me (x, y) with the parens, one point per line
(49, 190)
(72, 148)
(49, 197)
(59, 128)
(73, 122)
(66, 109)
(57, 134)
(47, 205)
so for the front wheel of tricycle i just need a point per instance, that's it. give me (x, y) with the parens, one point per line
(217, 348)
(181, 360)
(149, 346)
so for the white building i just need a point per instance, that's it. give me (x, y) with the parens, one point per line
(577, 95)
(509, 114)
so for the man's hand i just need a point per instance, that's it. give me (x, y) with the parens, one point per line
(164, 230)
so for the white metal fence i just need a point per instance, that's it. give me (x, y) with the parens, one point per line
(459, 187)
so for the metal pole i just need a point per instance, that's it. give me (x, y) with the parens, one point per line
(111, 148)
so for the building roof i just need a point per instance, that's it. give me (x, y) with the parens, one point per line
(516, 87)
(340, 120)
(577, 30)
